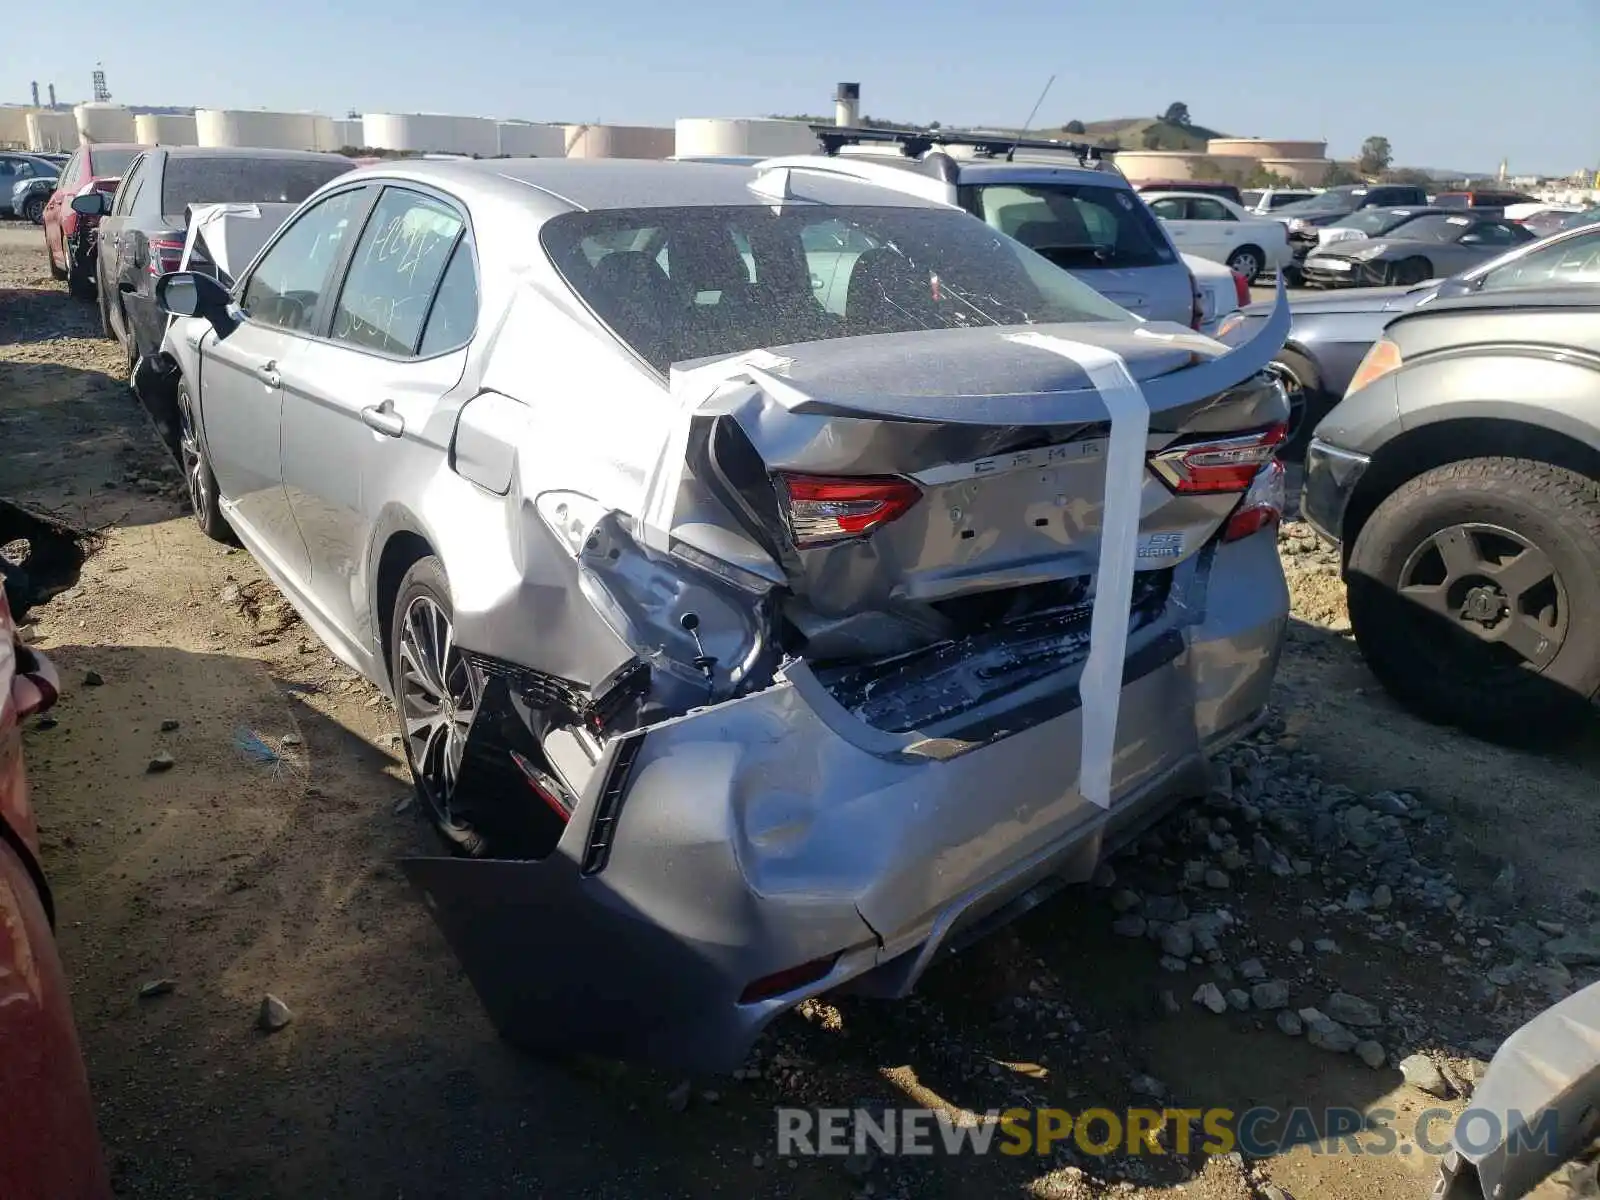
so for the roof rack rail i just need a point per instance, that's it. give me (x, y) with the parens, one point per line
(914, 143)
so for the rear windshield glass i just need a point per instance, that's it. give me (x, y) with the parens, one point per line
(110, 163)
(1435, 227)
(243, 180)
(1077, 226)
(684, 283)
(1452, 200)
(1376, 220)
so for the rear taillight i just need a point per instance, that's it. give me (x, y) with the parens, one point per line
(1261, 506)
(788, 980)
(165, 255)
(1241, 289)
(1222, 465)
(825, 509)
(1197, 303)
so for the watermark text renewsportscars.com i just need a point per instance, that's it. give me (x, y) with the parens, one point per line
(1257, 1132)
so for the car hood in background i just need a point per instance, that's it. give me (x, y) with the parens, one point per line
(1354, 300)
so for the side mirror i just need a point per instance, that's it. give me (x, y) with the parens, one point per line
(90, 204)
(192, 294)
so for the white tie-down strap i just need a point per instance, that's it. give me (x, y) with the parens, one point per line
(1101, 685)
(691, 390)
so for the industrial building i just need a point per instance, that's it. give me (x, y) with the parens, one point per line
(1300, 162)
(424, 133)
(620, 141)
(717, 137)
(267, 130)
(165, 129)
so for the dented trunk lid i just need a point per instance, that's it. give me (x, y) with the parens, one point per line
(1004, 441)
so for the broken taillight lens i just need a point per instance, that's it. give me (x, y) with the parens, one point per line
(787, 980)
(824, 509)
(165, 255)
(1261, 506)
(1223, 465)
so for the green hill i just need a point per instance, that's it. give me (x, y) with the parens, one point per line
(1149, 133)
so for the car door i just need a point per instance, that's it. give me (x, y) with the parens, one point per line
(115, 246)
(361, 404)
(282, 300)
(1216, 228)
(55, 208)
(1173, 212)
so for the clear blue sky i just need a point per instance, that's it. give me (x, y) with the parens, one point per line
(1451, 83)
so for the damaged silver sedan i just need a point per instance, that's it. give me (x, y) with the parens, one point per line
(729, 544)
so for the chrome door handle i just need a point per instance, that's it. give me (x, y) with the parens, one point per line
(384, 419)
(268, 372)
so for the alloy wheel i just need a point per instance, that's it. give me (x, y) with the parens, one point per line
(1247, 265)
(438, 700)
(194, 468)
(1498, 591)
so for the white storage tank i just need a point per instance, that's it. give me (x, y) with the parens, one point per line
(620, 141)
(348, 132)
(717, 137)
(524, 139)
(164, 129)
(102, 124)
(263, 130)
(52, 131)
(435, 133)
(14, 125)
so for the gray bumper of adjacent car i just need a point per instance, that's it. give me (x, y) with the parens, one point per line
(779, 833)
(1331, 475)
(1537, 1106)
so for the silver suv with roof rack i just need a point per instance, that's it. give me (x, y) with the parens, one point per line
(1065, 200)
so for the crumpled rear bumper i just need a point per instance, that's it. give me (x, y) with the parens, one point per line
(724, 865)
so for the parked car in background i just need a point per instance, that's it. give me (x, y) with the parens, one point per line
(1579, 220)
(141, 229)
(69, 236)
(1216, 228)
(29, 196)
(1222, 291)
(48, 1142)
(1081, 216)
(18, 175)
(1493, 199)
(1263, 201)
(1227, 191)
(1303, 218)
(1332, 333)
(838, 573)
(1541, 220)
(1368, 223)
(1460, 475)
(1435, 245)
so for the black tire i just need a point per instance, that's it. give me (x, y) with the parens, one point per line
(106, 331)
(423, 597)
(56, 273)
(33, 210)
(1410, 271)
(79, 285)
(202, 484)
(1308, 403)
(1467, 673)
(1248, 261)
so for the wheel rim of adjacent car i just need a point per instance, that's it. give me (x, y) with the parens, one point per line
(437, 700)
(1295, 391)
(194, 472)
(33, 210)
(1500, 594)
(1247, 265)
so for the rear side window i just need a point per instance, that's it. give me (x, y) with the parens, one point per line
(397, 264)
(455, 308)
(1077, 226)
(243, 180)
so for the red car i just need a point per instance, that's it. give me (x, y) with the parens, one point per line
(48, 1142)
(68, 235)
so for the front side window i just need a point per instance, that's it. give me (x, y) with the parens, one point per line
(397, 264)
(1495, 233)
(680, 284)
(287, 286)
(1204, 208)
(1168, 208)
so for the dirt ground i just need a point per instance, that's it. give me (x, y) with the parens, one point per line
(262, 860)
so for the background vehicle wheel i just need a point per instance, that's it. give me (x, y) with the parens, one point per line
(33, 210)
(1307, 404)
(79, 285)
(436, 694)
(1473, 590)
(1247, 261)
(1410, 271)
(56, 272)
(197, 474)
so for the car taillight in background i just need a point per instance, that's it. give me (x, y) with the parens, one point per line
(1262, 505)
(1220, 465)
(825, 509)
(1241, 289)
(1197, 303)
(165, 255)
